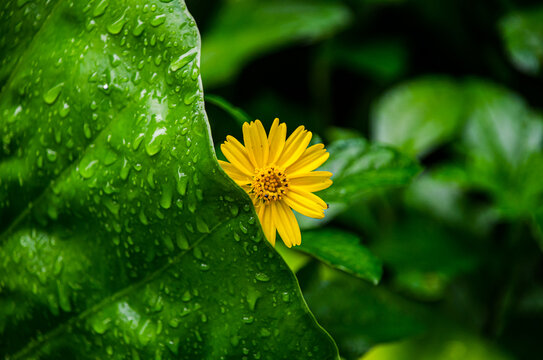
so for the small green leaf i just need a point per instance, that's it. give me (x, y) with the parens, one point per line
(522, 34)
(343, 251)
(359, 168)
(246, 29)
(419, 115)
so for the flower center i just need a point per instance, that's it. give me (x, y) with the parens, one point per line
(270, 184)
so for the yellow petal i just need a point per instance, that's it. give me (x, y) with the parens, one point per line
(266, 220)
(236, 175)
(313, 157)
(286, 224)
(311, 182)
(237, 155)
(295, 146)
(278, 133)
(249, 141)
(297, 203)
(310, 199)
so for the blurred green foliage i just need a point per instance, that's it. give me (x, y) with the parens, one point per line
(443, 100)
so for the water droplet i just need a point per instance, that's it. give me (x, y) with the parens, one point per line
(138, 29)
(201, 226)
(166, 196)
(52, 94)
(252, 297)
(183, 60)
(51, 155)
(234, 210)
(155, 143)
(137, 141)
(115, 60)
(158, 20)
(87, 131)
(100, 8)
(88, 166)
(147, 332)
(174, 322)
(181, 240)
(262, 277)
(182, 181)
(285, 296)
(115, 27)
(186, 296)
(100, 325)
(64, 110)
(125, 170)
(247, 319)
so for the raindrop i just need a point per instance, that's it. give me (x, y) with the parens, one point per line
(181, 240)
(88, 166)
(182, 181)
(183, 60)
(158, 20)
(154, 145)
(262, 277)
(52, 94)
(51, 155)
(100, 8)
(247, 319)
(138, 29)
(115, 27)
(166, 196)
(64, 110)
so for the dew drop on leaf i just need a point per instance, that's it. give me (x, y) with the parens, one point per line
(51, 95)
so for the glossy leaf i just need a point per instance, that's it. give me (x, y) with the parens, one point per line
(246, 29)
(343, 251)
(121, 237)
(522, 34)
(419, 115)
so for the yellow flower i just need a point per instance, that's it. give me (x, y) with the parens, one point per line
(278, 176)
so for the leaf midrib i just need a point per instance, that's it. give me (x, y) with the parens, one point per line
(115, 296)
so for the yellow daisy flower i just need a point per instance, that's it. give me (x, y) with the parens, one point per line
(278, 175)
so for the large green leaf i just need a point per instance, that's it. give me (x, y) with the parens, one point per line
(248, 28)
(522, 34)
(419, 115)
(343, 251)
(120, 235)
